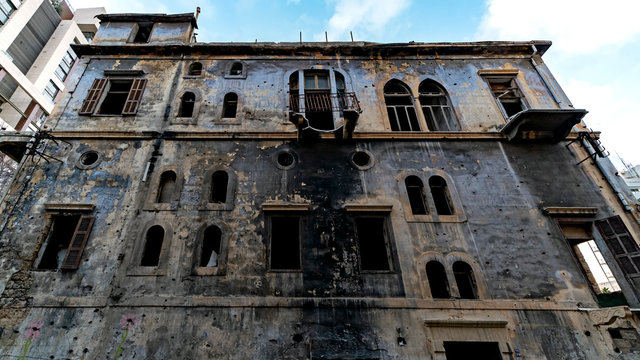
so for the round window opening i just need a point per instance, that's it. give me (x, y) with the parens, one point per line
(89, 158)
(285, 159)
(361, 159)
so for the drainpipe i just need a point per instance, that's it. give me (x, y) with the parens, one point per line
(543, 77)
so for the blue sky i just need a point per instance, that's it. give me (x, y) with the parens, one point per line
(594, 56)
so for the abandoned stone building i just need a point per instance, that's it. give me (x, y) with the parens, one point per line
(334, 201)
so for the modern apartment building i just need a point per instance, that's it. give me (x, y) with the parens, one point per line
(335, 201)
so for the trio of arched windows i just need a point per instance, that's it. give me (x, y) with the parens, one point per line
(434, 102)
(439, 283)
(439, 193)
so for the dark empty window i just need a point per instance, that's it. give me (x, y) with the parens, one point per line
(507, 93)
(440, 194)
(122, 97)
(143, 32)
(436, 107)
(219, 184)
(465, 280)
(622, 244)
(167, 187)
(285, 243)
(230, 105)
(195, 69)
(211, 247)
(438, 282)
(416, 193)
(236, 69)
(58, 241)
(402, 113)
(186, 105)
(152, 246)
(373, 243)
(465, 350)
(117, 93)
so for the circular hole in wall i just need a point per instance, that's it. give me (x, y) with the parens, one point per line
(285, 159)
(361, 159)
(88, 160)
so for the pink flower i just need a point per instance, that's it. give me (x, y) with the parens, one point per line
(128, 321)
(34, 329)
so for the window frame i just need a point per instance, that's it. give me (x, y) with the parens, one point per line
(452, 116)
(136, 29)
(219, 270)
(154, 183)
(47, 91)
(207, 184)
(387, 235)
(408, 94)
(432, 215)
(498, 76)
(139, 242)
(269, 225)
(99, 90)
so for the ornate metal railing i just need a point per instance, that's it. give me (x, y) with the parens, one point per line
(323, 102)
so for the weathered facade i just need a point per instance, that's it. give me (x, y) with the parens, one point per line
(315, 201)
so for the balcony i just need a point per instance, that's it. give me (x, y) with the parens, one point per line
(324, 102)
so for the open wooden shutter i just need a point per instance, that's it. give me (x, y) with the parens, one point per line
(621, 244)
(90, 103)
(133, 99)
(78, 242)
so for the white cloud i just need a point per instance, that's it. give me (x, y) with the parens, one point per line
(575, 26)
(120, 6)
(363, 17)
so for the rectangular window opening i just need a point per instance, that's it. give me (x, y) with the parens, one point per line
(506, 91)
(143, 33)
(116, 97)
(373, 244)
(464, 350)
(58, 241)
(285, 243)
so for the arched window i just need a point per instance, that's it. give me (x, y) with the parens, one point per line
(465, 280)
(436, 107)
(152, 246)
(195, 69)
(340, 89)
(211, 242)
(236, 69)
(167, 187)
(402, 113)
(230, 105)
(219, 184)
(440, 195)
(438, 283)
(415, 190)
(186, 105)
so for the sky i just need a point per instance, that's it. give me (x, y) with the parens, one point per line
(593, 56)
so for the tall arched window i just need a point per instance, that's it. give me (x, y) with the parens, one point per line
(436, 107)
(167, 187)
(402, 113)
(437, 277)
(195, 69)
(415, 190)
(440, 194)
(152, 246)
(219, 184)
(465, 280)
(230, 105)
(186, 104)
(211, 243)
(236, 69)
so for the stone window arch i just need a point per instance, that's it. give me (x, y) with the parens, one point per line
(195, 69)
(236, 68)
(441, 196)
(417, 195)
(438, 282)
(218, 192)
(187, 104)
(436, 107)
(152, 249)
(167, 187)
(219, 185)
(400, 107)
(230, 105)
(465, 280)
(210, 250)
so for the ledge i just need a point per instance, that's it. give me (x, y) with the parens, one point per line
(70, 207)
(557, 211)
(368, 208)
(285, 207)
(466, 323)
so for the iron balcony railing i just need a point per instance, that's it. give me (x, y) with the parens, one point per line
(324, 102)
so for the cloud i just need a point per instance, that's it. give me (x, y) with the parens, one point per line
(575, 26)
(121, 6)
(364, 17)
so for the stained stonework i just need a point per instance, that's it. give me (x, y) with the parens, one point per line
(302, 251)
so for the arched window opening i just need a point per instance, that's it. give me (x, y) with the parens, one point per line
(415, 190)
(195, 69)
(440, 195)
(230, 105)
(186, 105)
(167, 187)
(438, 283)
(402, 113)
(219, 183)
(436, 107)
(236, 69)
(465, 280)
(340, 90)
(211, 247)
(152, 246)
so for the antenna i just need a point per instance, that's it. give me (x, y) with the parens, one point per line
(197, 12)
(326, 37)
(300, 37)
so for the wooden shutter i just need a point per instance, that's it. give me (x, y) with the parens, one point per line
(621, 244)
(133, 99)
(77, 243)
(90, 103)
